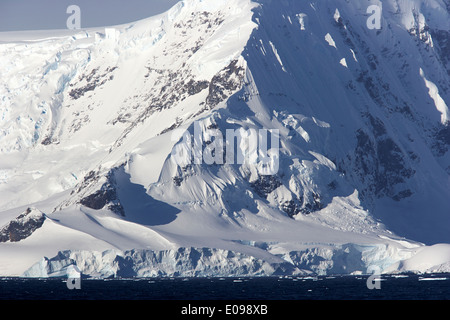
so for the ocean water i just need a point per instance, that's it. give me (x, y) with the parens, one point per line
(398, 287)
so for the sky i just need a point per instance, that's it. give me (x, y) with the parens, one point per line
(17, 15)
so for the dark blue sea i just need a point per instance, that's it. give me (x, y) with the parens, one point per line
(398, 287)
(229, 298)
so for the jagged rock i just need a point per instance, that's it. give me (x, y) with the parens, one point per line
(105, 197)
(402, 194)
(442, 141)
(93, 81)
(291, 207)
(379, 163)
(23, 226)
(313, 205)
(265, 185)
(224, 83)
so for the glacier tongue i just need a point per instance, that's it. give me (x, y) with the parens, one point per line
(211, 262)
(184, 262)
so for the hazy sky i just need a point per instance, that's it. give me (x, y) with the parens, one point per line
(51, 14)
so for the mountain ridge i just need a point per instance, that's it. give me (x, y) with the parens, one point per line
(359, 153)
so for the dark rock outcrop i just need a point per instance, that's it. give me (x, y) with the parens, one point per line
(23, 226)
(105, 197)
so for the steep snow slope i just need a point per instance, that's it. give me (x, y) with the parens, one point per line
(90, 123)
(385, 132)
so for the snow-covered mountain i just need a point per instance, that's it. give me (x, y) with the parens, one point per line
(92, 123)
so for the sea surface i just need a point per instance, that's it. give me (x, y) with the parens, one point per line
(393, 287)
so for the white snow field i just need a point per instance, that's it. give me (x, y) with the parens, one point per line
(90, 119)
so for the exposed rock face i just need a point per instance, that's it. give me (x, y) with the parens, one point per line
(93, 80)
(105, 197)
(23, 226)
(442, 142)
(265, 185)
(381, 166)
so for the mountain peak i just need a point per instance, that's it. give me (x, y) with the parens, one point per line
(140, 136)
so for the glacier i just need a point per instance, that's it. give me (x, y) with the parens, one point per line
(207, 262)
(90, 120)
